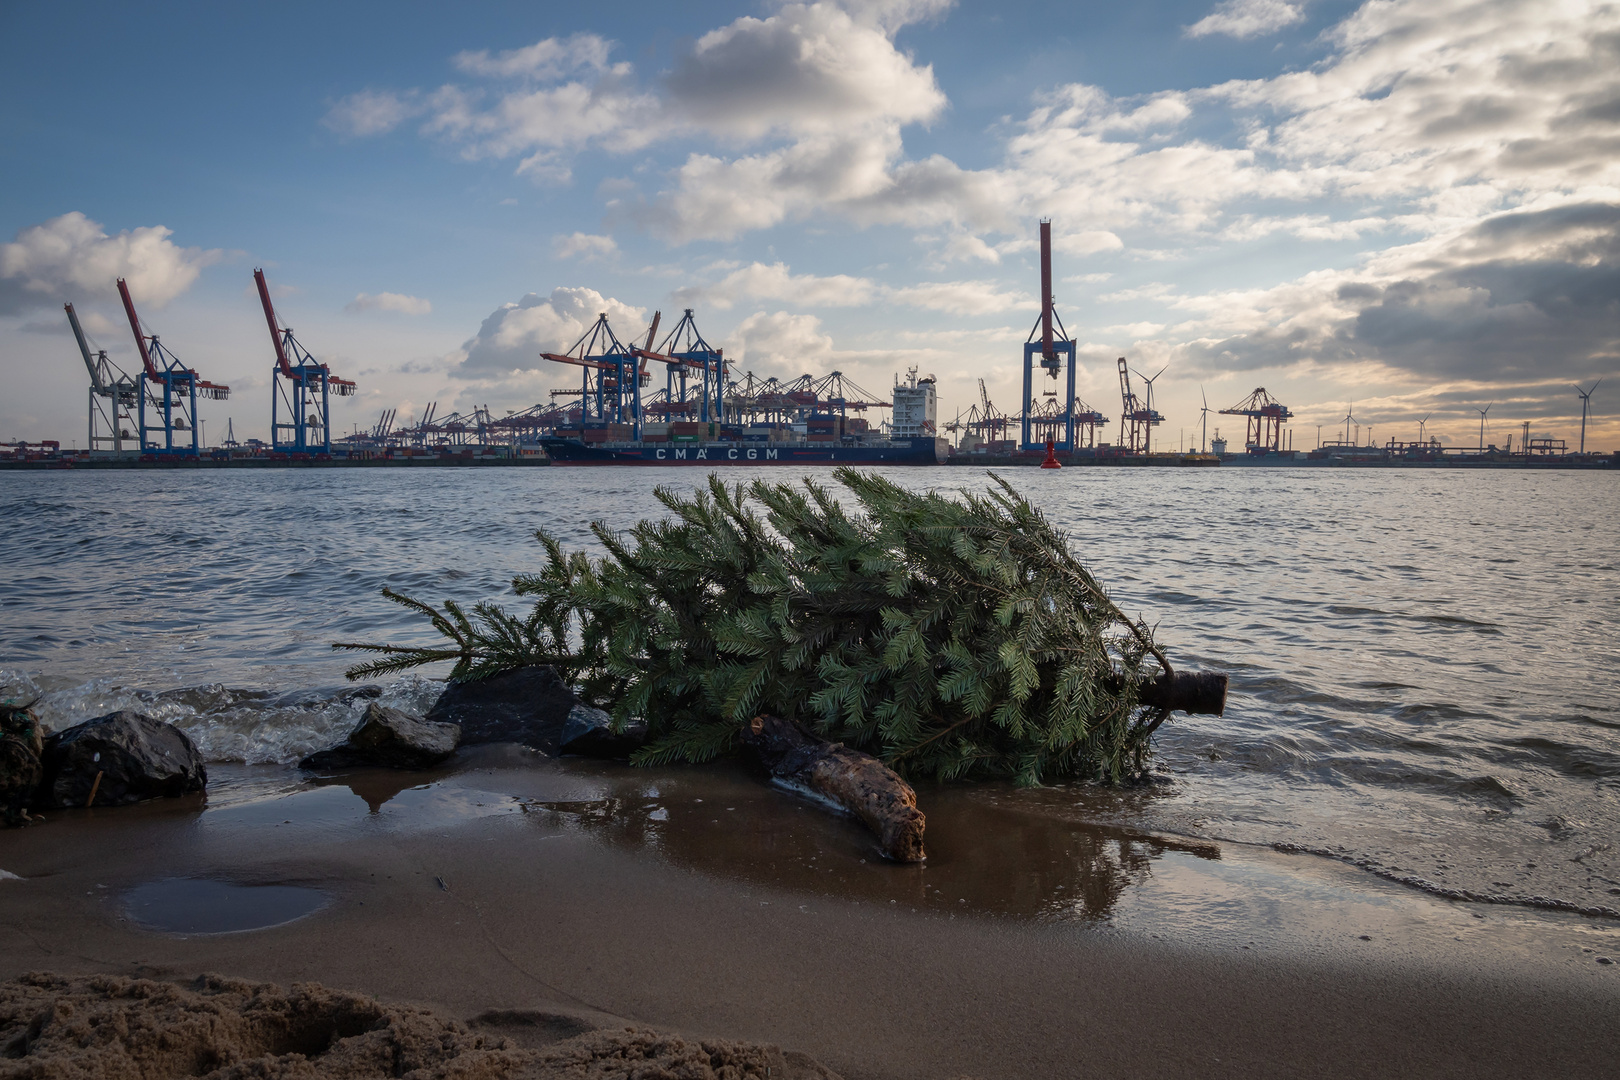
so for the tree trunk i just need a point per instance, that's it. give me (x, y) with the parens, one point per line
(858, 782)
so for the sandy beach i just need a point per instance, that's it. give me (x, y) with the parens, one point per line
(704, 902)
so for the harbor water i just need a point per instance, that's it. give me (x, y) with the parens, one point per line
(1425, 665)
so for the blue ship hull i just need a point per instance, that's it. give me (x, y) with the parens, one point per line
(899, 452)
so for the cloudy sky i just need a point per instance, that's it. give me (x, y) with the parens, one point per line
(1408, 209)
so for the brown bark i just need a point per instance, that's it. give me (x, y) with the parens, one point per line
(858, 782)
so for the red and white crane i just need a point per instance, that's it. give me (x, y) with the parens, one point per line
(300, 385)
(169, 390)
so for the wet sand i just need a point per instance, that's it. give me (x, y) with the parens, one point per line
(1022, 949)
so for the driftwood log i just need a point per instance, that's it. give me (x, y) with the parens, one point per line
(1189, 691)
(858, 782)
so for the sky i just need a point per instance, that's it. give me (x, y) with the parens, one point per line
(1403, 212)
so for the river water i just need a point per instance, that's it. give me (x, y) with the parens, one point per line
(1425, 664)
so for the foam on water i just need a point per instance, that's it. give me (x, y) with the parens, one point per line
(252, 726)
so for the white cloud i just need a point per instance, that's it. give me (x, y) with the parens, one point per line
(808, 68)
(780, 344)
(584, 244)
(759, 281)
(72, 258)
(550, 59)
(372, 112)
(1247, 18)
(389, 301)
(962, 297)
(514, 335)
(826, 76)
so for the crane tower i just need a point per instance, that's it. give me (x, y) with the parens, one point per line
(1266, 416)
(1052, 348)
(610, 382)
(114, 396)
(1139, 420)
(169, 391)
(301, 385)
(685, 352)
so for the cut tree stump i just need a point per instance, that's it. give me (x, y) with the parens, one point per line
(858, 782)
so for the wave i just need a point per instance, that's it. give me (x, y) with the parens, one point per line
(241, 724)
(1545, 903)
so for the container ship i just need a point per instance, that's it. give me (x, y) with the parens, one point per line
(803, 425)
(730, 448)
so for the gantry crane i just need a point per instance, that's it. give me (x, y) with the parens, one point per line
(684, 352)
(1052, 348)
(114, 396)
(170, 389)
(1139, 420)
(610, 381)
(1266, 416)
(1048, 422)
(300, 384)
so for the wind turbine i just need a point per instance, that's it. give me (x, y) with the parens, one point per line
(1586, 401)
(1149, 382)
(1151, 413)
(1203, 418)
(1421, 424)
(1482, 413)
(1349, 418)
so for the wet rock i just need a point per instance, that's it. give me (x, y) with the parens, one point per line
(390, 739)
(20, 766)
(589, 732)
(529, 705)
(134, 756)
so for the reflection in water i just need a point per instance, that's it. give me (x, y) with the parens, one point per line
(375, 786)
(201, 906)
(991, 849)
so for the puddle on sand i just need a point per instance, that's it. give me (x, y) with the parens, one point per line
(985, 856)
(201, 906)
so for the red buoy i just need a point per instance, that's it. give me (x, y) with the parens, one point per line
(1051, 461)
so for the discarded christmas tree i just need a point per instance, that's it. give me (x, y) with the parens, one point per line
(950, 637)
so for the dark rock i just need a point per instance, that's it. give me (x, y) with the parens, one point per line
(389, 739)
(589, 732)
(20, 767)
(528, 705)
(135, 756)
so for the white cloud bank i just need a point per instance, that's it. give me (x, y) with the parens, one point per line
(72, 258)
(514, 335)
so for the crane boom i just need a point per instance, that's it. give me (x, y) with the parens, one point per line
(135, 328)
(1125, 393)
(275, 328)
(1046, 290)
(100, 384)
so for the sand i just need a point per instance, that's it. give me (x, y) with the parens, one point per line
(104, 1027)
(510, 887)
